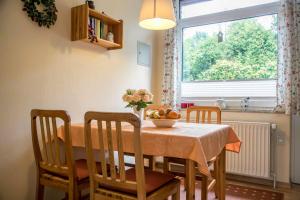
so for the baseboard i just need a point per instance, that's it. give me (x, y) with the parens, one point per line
(260, 181)
(234, 177)
(248, 179)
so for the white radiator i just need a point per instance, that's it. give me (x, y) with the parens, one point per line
(254, 158)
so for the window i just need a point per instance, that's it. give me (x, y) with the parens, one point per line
(229, 51)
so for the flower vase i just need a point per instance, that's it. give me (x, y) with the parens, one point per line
(139, 113)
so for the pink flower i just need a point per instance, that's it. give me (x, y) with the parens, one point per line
(142, 91)
(151, 96)
(136, 97)
(146, 98)
(127, 98)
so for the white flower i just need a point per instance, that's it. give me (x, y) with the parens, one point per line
(124, 97)
(132, 97)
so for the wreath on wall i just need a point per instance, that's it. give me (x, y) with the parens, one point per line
(41, 11)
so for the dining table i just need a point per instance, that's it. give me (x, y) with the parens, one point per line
(194, 142)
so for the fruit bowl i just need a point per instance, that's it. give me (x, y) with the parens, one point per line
(164, 123)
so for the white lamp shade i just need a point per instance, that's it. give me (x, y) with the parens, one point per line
(157, 15)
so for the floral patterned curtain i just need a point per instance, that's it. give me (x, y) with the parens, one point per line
(171, 77)
(289, 57)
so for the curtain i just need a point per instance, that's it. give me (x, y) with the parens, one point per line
(289, 57)
(171, 76)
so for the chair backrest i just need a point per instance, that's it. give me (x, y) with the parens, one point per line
(201, 112)
(108, 135)
(47, 150)
(155, 107)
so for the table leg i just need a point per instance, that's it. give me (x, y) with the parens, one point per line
(190, 179)
(222, 175)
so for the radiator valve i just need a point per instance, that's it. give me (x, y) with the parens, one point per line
(245, 103)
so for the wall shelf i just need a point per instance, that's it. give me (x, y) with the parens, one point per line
(80, 22)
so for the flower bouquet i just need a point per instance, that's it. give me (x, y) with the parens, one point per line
(138, 100)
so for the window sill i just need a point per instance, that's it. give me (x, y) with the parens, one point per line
(235, 110)
(250, 110)
(233, 104)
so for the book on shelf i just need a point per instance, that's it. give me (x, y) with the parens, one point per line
(97, 28)
(100, 29)
(105, 31)
(92, 24)
(90, 21)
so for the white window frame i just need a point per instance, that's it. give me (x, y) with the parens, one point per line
(256, 103)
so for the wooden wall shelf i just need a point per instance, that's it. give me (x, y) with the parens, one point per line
(80, 22)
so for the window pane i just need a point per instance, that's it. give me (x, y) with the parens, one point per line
(236, 50)
(215, 6)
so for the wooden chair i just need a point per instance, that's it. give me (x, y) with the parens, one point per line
(203, 115)
(135, 183)
(69, 175)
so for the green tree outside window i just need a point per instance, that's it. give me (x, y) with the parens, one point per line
(248, 52)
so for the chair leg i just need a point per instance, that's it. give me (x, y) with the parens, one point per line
(204, 188)
(151, 163)
(166, 165)
(176, 196)
(71, 192)
(217, 186)
(79, 195)
(186, 178)
(39, 190)
(185, 183)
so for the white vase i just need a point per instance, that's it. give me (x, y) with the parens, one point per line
(110, 36)
(139, 113)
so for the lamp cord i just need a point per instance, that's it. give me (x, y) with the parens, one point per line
(154, 10)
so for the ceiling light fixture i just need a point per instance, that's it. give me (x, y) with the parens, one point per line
(157, 15)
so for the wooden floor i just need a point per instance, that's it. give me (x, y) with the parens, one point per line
(289, 194)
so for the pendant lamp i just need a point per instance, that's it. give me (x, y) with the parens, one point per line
(157, 15)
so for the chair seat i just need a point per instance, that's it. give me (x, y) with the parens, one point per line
(182, 161)
(82, 171)
(176, 160)
(153, 181)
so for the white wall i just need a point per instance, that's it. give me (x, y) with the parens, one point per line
(282, 121)
(42, 68)
(295, 172)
